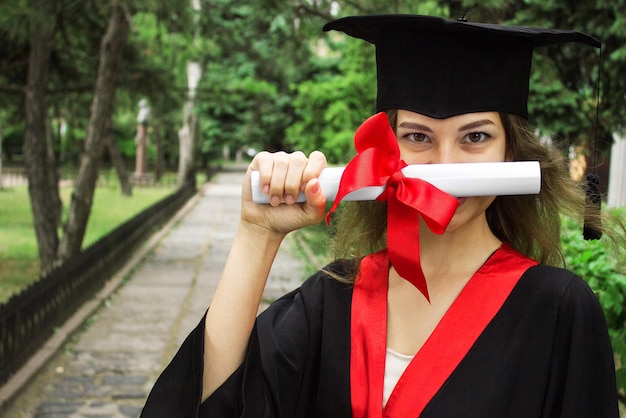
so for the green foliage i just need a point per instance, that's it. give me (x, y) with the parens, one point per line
(604, 270)
(244, 98)
(153, 67)
(264, 69)
(577, 66)
(561, 113)
(331, 106)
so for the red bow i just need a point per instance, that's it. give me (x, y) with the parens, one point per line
(378, 163)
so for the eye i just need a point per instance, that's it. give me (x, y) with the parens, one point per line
(476, 137)
(416, 137)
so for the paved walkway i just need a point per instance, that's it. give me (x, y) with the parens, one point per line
(110, 365)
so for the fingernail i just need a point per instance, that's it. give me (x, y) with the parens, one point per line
(289, 199)
(275, 201)
(266, 189)
(315, 189)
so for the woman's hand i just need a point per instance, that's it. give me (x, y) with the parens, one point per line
(282, 177)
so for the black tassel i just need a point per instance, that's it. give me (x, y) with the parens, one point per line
(593, 207)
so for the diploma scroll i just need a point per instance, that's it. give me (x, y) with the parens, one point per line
(460, 180)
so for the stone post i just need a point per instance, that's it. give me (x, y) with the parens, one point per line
(141, 141)
(617, 172)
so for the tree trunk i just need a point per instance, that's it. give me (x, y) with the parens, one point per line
(187, 138)
(0, 155)
(43, 185)
(111, 51)
(187, 134)
(159, 168)
(120, 167)
(53, 176)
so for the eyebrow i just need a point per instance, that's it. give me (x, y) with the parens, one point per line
(424, 128)
(477, 124)
(416, 126)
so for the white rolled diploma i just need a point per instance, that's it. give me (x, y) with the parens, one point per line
(459, 180)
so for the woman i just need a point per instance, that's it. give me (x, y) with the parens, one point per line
(449, 313)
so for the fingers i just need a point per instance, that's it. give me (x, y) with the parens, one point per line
(314, 167)
(293, 179)
(283, 176)
(263, 163)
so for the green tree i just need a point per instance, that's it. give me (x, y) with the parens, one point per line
(52, 56)
(341, 92)
(257, 53)
(43, 184)
(98, 129)
(331, 105)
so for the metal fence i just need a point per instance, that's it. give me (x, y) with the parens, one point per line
(107, 177)
(28, 319)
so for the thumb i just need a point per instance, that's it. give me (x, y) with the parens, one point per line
(315, 200)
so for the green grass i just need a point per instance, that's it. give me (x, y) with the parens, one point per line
(19, 260)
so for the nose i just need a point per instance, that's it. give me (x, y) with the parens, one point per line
(444, 153)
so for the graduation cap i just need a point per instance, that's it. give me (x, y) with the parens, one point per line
(440, 67)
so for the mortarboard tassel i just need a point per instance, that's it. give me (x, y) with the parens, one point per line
(593, 205)
(593, 198)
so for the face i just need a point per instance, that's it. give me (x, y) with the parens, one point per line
(468, 138)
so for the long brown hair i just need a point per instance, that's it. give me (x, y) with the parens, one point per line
(530, 223)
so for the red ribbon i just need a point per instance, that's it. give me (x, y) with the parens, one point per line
(378, 163)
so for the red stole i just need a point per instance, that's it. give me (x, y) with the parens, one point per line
(477, 304)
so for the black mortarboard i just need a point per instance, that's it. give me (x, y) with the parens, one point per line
(441, 67)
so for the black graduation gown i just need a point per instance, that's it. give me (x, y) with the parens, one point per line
(546, 353)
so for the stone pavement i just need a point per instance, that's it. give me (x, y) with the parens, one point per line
(108, 367)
